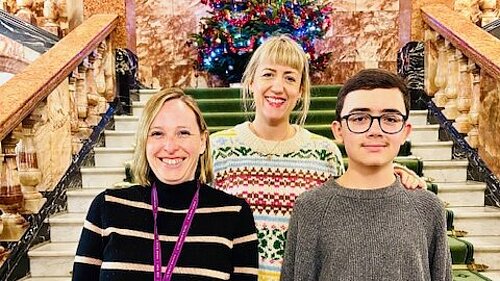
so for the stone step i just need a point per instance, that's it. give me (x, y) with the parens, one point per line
(418, 117)
(114, 138)
(145, 94)
(126, 123)
(79, 199)
(477, 221)
(112, 156)
(446, 171)
(486, 250)
(46, 279)
(421, 134)
(52, 259)
(493, 275)
(468, 194)
(438, 150)
(66, 227)
(425, 133)
(102, 177)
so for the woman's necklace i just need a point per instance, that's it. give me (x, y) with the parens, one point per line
(270, 152)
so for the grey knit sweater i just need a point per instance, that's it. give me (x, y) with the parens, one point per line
(336, 233)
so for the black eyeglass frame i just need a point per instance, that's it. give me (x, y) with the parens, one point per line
(345, 117)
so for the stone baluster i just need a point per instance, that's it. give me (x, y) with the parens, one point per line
(430, 61)
(11, 196)
(82, 104)
(24, 13)
(450, 111)
(75, 143)
(109, 71)
(489, 9)
(29, 173)
(63, 17)
(473, 135)
(92, 97)
(464, 99)
(51, 15)
(441, 73)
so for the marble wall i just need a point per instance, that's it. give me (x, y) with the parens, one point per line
(364, 33)
(489, 123)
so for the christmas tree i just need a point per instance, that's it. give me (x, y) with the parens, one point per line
(235, 28)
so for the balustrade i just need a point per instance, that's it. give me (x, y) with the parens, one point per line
(467, 84)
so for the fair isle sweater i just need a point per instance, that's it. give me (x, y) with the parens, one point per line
(117, 238)
(391, 233)
(270, 175)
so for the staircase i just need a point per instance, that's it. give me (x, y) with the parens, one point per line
(53, 261)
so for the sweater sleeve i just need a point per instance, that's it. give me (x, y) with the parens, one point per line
(302, 253)
(245, 245)
(439, 251)
(88, 257)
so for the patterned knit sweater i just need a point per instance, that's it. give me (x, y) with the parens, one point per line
(270, 175)
(117, 238)
(390, 233)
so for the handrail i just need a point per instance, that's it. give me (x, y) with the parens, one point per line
(474, 42)
(21, 94)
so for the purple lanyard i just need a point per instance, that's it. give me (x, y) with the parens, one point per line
(180, 240)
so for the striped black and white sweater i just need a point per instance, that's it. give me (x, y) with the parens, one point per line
(117, 238)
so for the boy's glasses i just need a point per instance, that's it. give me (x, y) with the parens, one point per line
(390, 123)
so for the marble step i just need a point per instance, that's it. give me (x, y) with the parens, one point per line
(486, 250)
(477, 221)
(79, 199)
(425, 133)
(129, 123)
(126, 123)
(438, 150)
(468, 194)
(102, 176)
(146, 94)
(112, 156)
(46, 279)
(494, 275)
(113, 138)
(126, 138)
(66, 227)
(52, 259)
(418, 117)
(446, 171)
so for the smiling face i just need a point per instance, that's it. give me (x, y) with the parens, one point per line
(373, 148)
(174, 143)
(276, 90)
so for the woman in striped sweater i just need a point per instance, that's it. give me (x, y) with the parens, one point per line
(172, 226)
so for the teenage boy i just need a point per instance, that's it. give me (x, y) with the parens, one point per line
(365, 225)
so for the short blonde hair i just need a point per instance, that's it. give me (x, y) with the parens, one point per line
(280, 50)
(140, 167)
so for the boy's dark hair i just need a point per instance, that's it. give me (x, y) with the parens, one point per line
(369, 79)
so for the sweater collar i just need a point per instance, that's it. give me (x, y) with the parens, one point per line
(178, 195)
(368, 194)
(261, 145)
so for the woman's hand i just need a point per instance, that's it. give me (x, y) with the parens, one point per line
(409, 179)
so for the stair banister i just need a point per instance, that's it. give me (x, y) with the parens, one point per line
(22, 93)
(484, 50)
(479, 53)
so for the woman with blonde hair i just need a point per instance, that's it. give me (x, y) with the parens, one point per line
(269, 161)
(171, 226)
